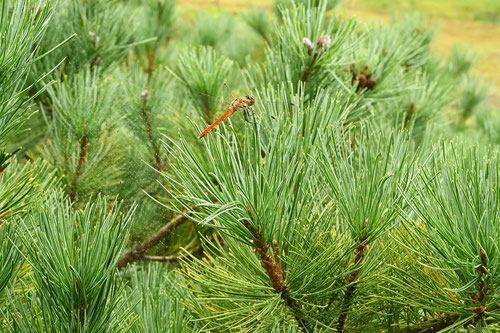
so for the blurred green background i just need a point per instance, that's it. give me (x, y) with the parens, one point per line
(470, 24)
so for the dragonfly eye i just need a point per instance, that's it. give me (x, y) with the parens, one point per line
(251, 99)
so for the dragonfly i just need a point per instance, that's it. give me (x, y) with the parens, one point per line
(238, 104)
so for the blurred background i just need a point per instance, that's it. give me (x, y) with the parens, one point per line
(468, 24)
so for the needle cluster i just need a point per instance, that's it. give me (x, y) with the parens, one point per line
(361, 195)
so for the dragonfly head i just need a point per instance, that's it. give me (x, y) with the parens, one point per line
(250, 100)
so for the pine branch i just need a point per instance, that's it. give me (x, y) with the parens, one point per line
(207, 111)
(151, 55)
(174, 257)
(273, 269)
(409, 115)
(63, 70)
(94, 62)
(483, 289)
(81, 162)
(137, 252)
(152, 50)
(307, 72)
(321, 45)
(159, 165)
(433, 325)
(349, 294)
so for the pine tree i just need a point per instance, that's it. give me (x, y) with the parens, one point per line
(361, 194)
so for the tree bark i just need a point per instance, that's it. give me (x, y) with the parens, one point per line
(138, 251)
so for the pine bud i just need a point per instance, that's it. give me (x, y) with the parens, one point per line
(307, 42)
(145, 94)
(371, 82)
(484, 259)
(362, 81)
(324, 41)
(92, 35)
(350, 69)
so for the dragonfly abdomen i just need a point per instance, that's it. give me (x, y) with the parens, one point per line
(229, 112)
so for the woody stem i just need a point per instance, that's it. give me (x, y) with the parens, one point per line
(81, 162)
(479, 298)
(149, 131)
(307, 71)
(359, 255)
(272, 267)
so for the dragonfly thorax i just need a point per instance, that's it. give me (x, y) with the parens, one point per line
(243, 102)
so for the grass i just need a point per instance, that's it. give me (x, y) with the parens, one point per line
(484, 10)
(473, 24)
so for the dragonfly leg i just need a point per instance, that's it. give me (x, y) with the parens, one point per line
(246, 113)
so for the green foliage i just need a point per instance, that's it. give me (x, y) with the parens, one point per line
(74, 254)
(473, 94)
(457, 204)
(212, 29)
(156, 292)
(280, 4)
(203, 71)
(9, 255)
(21, 32)
(337, 206)
(161, 28)
(416, 107)
(147, 114)
(237, 177)
(82, 105)
(367, 183)
(145, 103)
(299, 38)
(461, 60)
(258, 19)
(80, 123)
(101, 31)
(488, 119)
(226, 33)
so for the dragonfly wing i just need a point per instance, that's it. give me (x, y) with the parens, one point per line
(228, 94)
(216, 102)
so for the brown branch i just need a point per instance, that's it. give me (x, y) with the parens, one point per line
(61, 76)
(272, 266)
(79, 311)
(206, 106)
(159, 165)
(97, 58)
(151, 55)
(307, 72)
(478, 299)
(138, 251)
(160, 11)
(359, 255)
(409, 115)
(174, 257)
(433, 325)
(81, 162)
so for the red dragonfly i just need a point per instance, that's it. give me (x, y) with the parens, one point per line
(238, 104)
